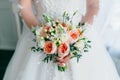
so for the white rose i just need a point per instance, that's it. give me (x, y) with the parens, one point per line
(41, 43)
(80, 45)
(74, 27)
(38, 30)
(48, 24)
(64, 37)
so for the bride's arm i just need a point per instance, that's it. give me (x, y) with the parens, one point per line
(27, 13)
(92, 9)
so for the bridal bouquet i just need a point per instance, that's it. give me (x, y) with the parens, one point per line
(60, 40)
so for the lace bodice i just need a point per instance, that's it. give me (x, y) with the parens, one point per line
(55, 8)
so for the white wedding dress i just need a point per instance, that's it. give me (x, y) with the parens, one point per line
(94, 65)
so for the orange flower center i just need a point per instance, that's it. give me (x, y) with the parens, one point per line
(79, 31)
(74, 35)
(47, 27)
(64, 48)
(64, 24)
(48, 47)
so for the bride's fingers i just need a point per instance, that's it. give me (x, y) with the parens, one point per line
(65, 59)
(61, 64)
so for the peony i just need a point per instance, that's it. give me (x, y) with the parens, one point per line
(74, 36)
(63, 50)
(50, 47)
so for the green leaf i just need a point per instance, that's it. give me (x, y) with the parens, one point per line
(83, 38)
(83, 31)
(57, 43)
(62, 69)
(46, 39)
(59, 68)
(33, 49)
(57, 23)
(75, 13)
(48, 58)
(81, 24)
(64, 14)
(34, 40)
(85, 50)
(51, 57)
(89, 41)
(47, 18)
(78, 57)
(89, 46)
(65, 17)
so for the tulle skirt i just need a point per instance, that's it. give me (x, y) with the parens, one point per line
(94, 65)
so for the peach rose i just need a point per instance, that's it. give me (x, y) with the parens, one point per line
(74, 36)
(43, 32)
(63, 50)
(50, 47)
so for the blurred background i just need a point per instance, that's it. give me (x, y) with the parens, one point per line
(107, 24)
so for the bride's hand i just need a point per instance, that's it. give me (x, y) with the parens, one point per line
(65, 59)
(92, 10)
(27, 13)
(62, 62)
